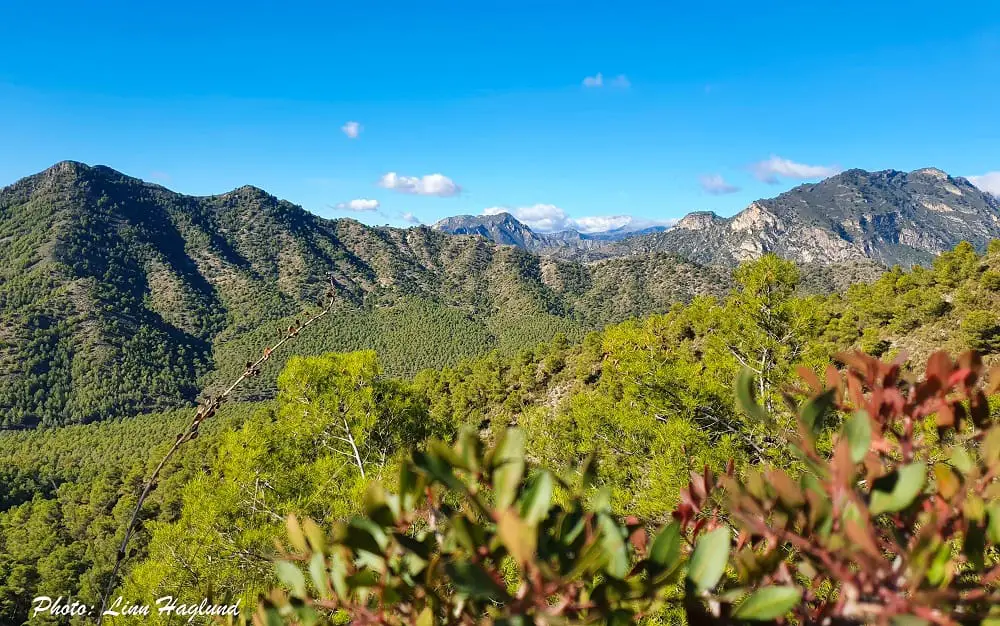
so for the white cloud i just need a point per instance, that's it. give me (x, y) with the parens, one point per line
(639, 224)
(548, 218)
(621, 81)
(358, 205)
(988, 182)
(770, 170)
(597, 80)
(540, 217)
(409, 218)
(352, 129)
(716, 185)
(429, 185)
(600, 223)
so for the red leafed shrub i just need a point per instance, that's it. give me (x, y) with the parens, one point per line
(887, 513)
(900, 522)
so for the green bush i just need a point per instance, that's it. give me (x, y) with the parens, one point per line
(981, 331)
(891, 526)
(990, 280)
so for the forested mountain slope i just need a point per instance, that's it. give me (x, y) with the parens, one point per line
(652, 397)
(119, 296)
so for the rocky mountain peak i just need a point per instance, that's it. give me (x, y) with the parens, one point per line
(887, 216)
(698, 220)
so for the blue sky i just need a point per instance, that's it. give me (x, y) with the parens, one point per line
(468, 106)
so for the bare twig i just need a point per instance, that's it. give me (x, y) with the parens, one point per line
(204, 412)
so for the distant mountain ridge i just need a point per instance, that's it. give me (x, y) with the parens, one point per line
(119, 296)
(507, 230)
(886, 217)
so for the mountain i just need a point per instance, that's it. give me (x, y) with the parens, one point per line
(888, 217)
(858, 218)
(505, 229)
(501, 228)
(119, 296)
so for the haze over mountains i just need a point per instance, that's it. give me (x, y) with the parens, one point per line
(888, 217)
(505, 229)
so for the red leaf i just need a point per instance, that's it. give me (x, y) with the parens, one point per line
(810, 377)
(698, 488)
(854, 391)
(925, 390)
(638, 540)
(945, 415)
(972, 361)
(832, 377)
(939, 366)
(858, 361)
(965, 376)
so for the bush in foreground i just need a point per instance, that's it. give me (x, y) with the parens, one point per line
(890, 514)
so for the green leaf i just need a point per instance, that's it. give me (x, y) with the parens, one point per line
(315, 535)
(708, 562)
(961, 460)
(291, 576)
(295, 536)
(814, 410)
(974, 546)
(473, 581)
(993, 527)
(466, 533)
(469, 447)
(449, 455)
(436, 468)
(272, 615)
(537, 498)
(591, 557)
(897, 490)
(426, 617)
(666, 547)
(990, 448)
(317, 569)
(940, 567)
(410, 488)
(508, 463)
(600, 500)
(364, 534)
(338, 575)
(908, 620)
(768, 603)
(613, 541)
(858, 431)
(363, 579)
(746, 397)
(377, 506)
(517, 536)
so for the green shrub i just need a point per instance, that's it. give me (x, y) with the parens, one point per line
(890, 527)
(990, 280)
(981, 331)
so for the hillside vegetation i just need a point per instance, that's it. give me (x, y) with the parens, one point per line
(651, 398)
(119, 296)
